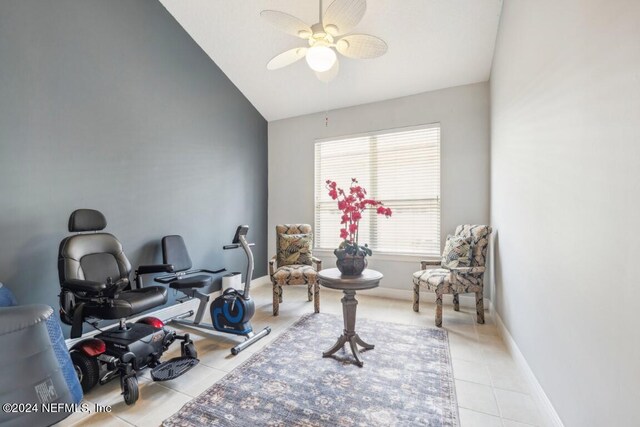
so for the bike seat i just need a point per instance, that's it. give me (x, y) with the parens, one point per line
(199, 281)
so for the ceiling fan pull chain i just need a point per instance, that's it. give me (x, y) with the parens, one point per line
(326, 100)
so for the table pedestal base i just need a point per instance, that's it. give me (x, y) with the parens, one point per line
(349, 335)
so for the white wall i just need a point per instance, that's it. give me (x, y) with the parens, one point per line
(565, 187)
(463, 113)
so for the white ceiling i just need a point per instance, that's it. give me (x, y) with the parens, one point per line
(433, 44)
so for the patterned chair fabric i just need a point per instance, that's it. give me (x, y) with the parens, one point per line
(295, 275)
(294, 263)
(456, 280)
(457, 252)
(294, 249)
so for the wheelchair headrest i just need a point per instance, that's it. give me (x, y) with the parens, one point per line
(87, 220)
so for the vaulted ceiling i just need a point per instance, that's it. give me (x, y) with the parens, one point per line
(433, 44)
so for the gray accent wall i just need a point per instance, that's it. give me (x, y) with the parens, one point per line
(109, 104)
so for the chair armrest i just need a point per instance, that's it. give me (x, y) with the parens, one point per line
(158, 268)
(272, 261)
(469, 270)
(429, 263)
(77, 285)
(317, 262)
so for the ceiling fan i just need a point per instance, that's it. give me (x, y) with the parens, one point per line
(323, 37)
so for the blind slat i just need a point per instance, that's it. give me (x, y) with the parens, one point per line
(399, 167)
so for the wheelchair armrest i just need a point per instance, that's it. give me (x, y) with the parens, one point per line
(159, 268)
(77, 285)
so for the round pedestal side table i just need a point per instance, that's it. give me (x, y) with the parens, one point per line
(332, 278)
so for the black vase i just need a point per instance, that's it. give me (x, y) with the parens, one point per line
(349, 264)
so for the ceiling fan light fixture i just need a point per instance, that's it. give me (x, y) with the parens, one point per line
(321, 58)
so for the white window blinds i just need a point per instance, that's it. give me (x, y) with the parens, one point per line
(399, 167)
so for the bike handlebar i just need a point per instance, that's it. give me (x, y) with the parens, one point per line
(235, 246)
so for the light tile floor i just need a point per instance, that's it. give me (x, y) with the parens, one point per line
(489, 387)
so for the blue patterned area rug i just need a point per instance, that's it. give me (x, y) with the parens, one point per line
(407, 380)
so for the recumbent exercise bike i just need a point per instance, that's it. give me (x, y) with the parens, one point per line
(232, 311)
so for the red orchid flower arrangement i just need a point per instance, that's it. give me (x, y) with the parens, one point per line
(352, 204)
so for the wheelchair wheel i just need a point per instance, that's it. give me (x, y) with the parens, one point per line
(86, 368)
(189, 350)
(130, 390)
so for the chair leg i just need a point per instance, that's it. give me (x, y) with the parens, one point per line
(316, 297)
(309, 292)
(416, 297)
(456, 301)
(280, 292)
(480, 307)
(277, 289)
(438, 309)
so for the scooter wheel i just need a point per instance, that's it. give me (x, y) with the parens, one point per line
(87, 369)
(130, 390)
(189, 350)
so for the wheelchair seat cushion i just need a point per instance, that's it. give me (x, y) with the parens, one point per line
(130, 303)
(199, 281)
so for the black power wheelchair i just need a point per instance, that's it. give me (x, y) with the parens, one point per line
(94, 277)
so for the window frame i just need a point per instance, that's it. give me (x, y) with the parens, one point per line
(384, 255)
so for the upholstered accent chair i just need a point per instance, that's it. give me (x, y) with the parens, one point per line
(294, 263)
(457, 280)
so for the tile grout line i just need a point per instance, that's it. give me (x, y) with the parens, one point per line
(124, 421)
(177, 391)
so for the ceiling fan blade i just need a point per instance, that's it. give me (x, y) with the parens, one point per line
(361, 46)
(330, 74)
(343, 15)
(287, 23)
(286, 58)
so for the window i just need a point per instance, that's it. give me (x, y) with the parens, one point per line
(400, 167)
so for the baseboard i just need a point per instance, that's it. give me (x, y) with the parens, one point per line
(260, 281)
(548, 411)
(467, 301)
(167, 312)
